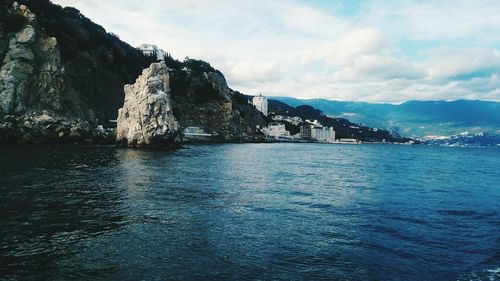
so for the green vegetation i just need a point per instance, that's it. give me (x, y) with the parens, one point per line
(192, 88)
(199, 66)
(13, 23)
(171, 62)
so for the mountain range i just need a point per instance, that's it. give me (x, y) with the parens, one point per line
(413, 118)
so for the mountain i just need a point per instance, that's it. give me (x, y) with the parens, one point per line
(465, 140)
(414, 118)
(343, 127)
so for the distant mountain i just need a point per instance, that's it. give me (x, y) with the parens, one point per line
(466, 140)
(343, 127)
(414, 118)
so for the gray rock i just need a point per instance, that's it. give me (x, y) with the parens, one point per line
(146, 118)
(32, 87)
(27, 35)
(219, 83)
(18, 52)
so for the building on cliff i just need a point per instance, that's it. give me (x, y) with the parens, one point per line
(260, 103)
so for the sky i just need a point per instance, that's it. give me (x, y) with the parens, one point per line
(373, 51)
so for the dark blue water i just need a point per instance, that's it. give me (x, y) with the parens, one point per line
(250, 211)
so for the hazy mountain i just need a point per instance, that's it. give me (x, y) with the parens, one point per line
(414, 118)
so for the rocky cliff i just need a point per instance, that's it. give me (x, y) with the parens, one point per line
(61, 75)
(165, 101)
(146, 118)
(202, 98)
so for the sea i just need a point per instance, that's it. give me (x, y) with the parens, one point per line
(274, 211)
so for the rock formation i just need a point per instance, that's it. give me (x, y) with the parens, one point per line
(146, 118)
(202, 98)
(32, 85)
(61, 76)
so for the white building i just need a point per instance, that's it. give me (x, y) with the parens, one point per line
(260, 103)
(330, 135)
(318, 133)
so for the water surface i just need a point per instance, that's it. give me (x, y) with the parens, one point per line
(250, 211)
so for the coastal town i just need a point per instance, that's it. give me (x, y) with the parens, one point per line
(310, 130)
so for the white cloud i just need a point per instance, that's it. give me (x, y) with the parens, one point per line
(378, 51)
(254, 71)
(446, 63)
(375, 67)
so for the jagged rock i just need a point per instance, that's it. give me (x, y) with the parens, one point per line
(18, 52)
(52, 62)
(203, 99)
(219, 83)
(32, 88)
(27, 35)
(146, 118)
(24, 80)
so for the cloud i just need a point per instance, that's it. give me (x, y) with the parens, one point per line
(381, 51)
(463, 64)
(254, 71)
(375, 67)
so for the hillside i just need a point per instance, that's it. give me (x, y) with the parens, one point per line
(63, 77)
(414, 118)
(342, 126)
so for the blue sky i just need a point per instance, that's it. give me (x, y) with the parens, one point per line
(376, 51)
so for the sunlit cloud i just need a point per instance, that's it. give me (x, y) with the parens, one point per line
(378, 51)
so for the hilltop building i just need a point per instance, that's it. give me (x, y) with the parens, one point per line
(260, 103)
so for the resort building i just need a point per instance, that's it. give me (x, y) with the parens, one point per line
(260, 103)
(317, 133)
(305, 132)
(323, 134)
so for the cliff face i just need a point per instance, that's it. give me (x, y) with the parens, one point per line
(146, 118)
(61, 75)
(165, 101)
(202, 98)
(32, 82)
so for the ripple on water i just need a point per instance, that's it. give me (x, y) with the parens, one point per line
(250, 211)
